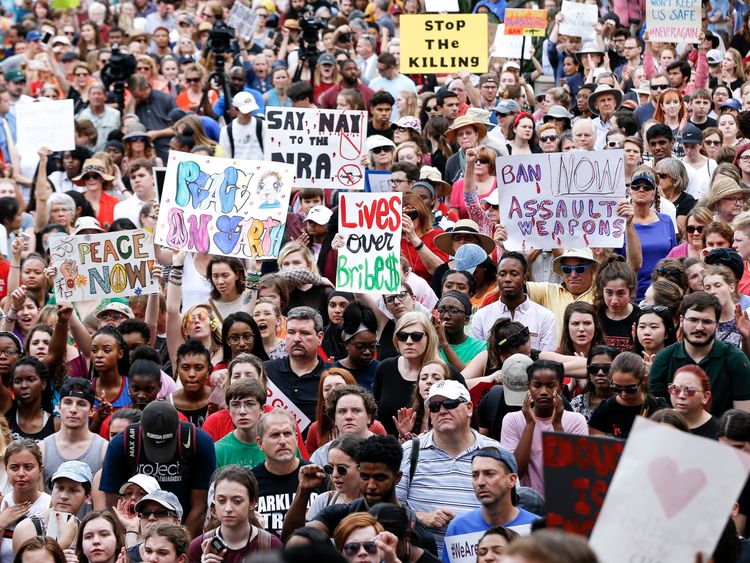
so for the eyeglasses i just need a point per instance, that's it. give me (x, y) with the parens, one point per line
(138, 139)
(431, 109)
(515, 339)
(341, 468)
(653, 309)
(703, 322)
(360, 347)
(450, 311)
(202, 316)
(579, 269)
(183, 24)
(659, 86)
(745, 158)
(235, 338)
(391, 299)
(628, 390)
(594, 369)
(613, 144)
(694, 229)
(81, 74)
(158, 513)
(415, 336)
(641, 186)
(449, 405)
(69, 32)
(192, 80)
(735, 199)
(663, 175)
(677, 390)
(87, 177)
(239, 405)
(378, 150)
(548, 138)
(352, 549)
(712, 143)
(10, 353)
(397, 181)
(111, 316)
(143, 68)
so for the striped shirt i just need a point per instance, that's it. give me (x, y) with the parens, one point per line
(440, 480)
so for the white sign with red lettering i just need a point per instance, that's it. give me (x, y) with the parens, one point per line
(278, 400)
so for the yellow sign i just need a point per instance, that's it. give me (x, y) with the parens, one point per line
(444, 43)
(525, 22)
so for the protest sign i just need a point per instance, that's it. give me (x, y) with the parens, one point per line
(242, 19)
(511, 46)
(531, 23)
(562, 200)
(577, 473)
(278, 400)
(670, 497)
(323, 146)
(580, 20)
(446, 43)
(47, 123)
(674, 21)
(103, 265)
(378, 181)
(224, 206)
(371, 226)
(441, 6)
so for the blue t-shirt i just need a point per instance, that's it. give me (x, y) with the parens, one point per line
(176, 476)
(657, 239)
(365, 377)
(465, 531)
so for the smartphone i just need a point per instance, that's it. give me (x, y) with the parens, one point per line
(46, 37)
(217, 545)
(52, 530)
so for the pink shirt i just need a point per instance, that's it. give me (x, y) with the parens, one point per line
(457, 197)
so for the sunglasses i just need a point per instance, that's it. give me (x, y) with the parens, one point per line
(352, 549)
(342, 469)
(663, 175)
(87, 177)
(677, 390)
(81, 74)
(138, 139)
(159, 513)
(653, 309)
(449, 405)
(613, 144)
(483, 161)
(415, 336)
(641, 186)
(594, 369)
(659, 86)
(515, 339)
(712, 143)
(378, 150)
(629, 390)
(548, 138)
(694, 229)
(192, 80)
(202, 316)
(111, 316)
(580, 269)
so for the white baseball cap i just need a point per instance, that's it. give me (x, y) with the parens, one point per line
(145, 482)
(244, 102)
(319, 214)
(450, 389)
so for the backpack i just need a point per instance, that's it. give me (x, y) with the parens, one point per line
(258, 133)
(186, 446)
(264, 541)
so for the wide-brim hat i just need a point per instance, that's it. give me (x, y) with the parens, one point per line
(434, 177)
(465, 121)
(580, 253)
(558, 112)
(136, 130)
(725, 187)
(588, 50)
(444, 240)
(97, 167)
(600, 91)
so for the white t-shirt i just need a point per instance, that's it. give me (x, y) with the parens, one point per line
(699, 178)
(246, 142)
(37, 509)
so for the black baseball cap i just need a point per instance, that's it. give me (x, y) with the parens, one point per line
(159, 424)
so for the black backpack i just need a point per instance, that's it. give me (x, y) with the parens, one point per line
(258, 133)
(186, 447)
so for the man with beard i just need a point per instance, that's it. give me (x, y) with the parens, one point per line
(350, 74)
(727, 367)
(512, 274)
(237, 83)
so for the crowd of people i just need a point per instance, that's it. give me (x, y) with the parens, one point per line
(250, 407)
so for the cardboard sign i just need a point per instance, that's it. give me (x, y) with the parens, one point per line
(670, 498)
(103, 265)
(436, 44)
(278, 400)
(224, 206)
(674, 21)
(532, 23)
(577, 473)
(324, 147)
(378, 181)
(47, 123)
(441, 6)
(242, 19)
(580, 20)
(562, 200)
(371, 226)
(511, 46)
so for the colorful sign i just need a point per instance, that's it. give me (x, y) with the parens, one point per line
(674, 21)
(102, 266)
(47, 123)
(531, 23)
(447, 43)
(562, 200)
(371, 226)
(324, 147)
(577, 473)
(223, 206)
(580, 20)
(670, 497)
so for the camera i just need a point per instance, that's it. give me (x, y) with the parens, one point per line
(310, 33)
(220, 38)
(119, 68)
(345, 38)
(217, 545)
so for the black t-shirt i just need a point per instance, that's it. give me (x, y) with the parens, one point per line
(707, 430)
(275, 495)
(492, 409)
(684, 204)
(619, 334)
(302, 389)
(617, 420)
(386, 349)
(710, 122)
(333, 514)
(387, 133)
(315, 297)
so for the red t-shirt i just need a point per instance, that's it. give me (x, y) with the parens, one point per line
(412, 255)
(106, 210)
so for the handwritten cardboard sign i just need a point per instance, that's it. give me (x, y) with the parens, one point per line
(323, 146)
(378, 181)
(670, 497)
(242, 19)
(47, 123)
(224, 206)
(525, 22)
(103, 265)
(562, 200)
(577, 473)
(278, 400)
(674, 21)
(371, 226)
(445, 43)
(511, 46)
(580, 20)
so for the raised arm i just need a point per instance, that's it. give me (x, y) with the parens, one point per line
(174, 300)
(42, 191)
(152, 304)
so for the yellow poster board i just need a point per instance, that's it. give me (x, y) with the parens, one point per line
(444, 43)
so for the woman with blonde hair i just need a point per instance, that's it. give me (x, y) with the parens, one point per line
(194, 96)
(696, 221)
(406, 102)
(146, 67)
(117, 189)
(326, 76)
(199, 132)
(298, 257)
(409, 151)
(732, 70)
